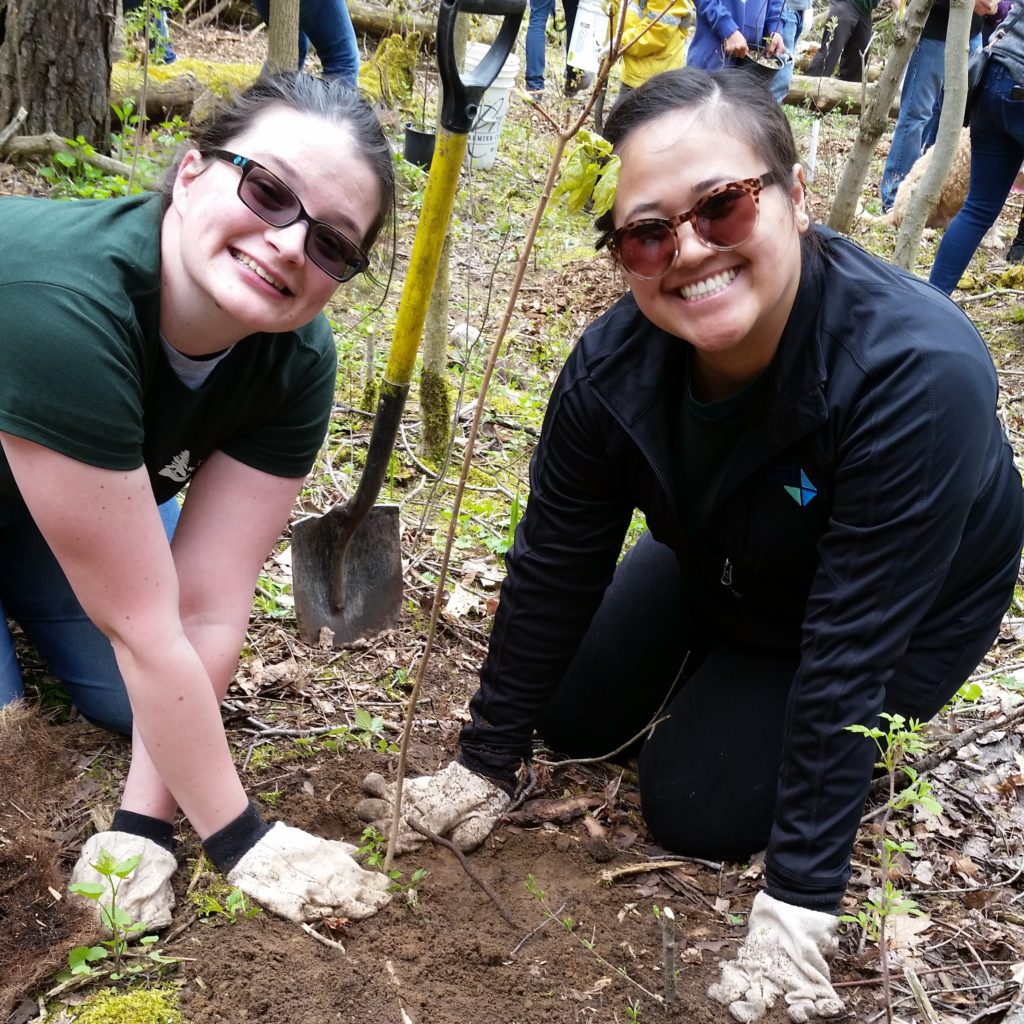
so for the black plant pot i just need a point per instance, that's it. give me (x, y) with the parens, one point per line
(760, 63)
(418, 147)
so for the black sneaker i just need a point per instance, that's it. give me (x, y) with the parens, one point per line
(577, 81)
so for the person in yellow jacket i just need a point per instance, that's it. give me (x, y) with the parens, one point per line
(654, 38)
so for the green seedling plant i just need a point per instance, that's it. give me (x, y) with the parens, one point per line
(569, 927)
(899, 740)
(123, 928)
(234, 907)
(366, 732)
(373, 849)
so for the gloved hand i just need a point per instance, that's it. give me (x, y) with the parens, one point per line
(305, 878)
(456, 803)
(785, 954)
(146, 894)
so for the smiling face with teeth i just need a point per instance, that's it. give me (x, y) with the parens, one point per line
(730, 306)
(226, 273)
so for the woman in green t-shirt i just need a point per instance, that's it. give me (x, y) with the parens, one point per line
(154, 341)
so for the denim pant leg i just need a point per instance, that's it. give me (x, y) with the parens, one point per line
(36, 594)
(329, 27)
(536, 40)
(922, 85)
(790, 26)
(997, 151)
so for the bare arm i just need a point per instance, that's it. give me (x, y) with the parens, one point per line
(104, 530)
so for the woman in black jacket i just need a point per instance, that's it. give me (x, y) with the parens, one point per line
(835, 527)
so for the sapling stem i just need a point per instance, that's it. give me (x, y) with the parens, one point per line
(561, 140)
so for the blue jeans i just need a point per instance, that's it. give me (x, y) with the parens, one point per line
(918, 121)
(536, 37)
(997, 151)
(35, 593)
(328, 26)
(791, 26)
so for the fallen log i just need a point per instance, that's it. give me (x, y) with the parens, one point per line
(825, 94)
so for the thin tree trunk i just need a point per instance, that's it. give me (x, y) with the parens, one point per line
(55, 61)
(875, 118)
(926, 195)
(283, 36)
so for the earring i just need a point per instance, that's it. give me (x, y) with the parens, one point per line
(803, 220)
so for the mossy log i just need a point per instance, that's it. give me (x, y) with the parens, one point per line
(174, 89)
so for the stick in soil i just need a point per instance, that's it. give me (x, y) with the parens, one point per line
(461, 858)
(668, 953)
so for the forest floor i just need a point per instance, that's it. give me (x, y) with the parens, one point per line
(565, 945)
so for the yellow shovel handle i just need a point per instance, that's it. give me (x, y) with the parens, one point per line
(435, 214)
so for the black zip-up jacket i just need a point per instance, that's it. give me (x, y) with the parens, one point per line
(882, 408)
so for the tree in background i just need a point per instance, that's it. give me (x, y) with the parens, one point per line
(55, 61)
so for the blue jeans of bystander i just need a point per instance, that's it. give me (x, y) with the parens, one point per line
(536, 37)
(997, 151)
(328, 26)
(790, 27)
(35, 593)
(918, 121)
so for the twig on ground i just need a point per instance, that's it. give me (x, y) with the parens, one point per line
(530, 934)
(920, 996)
(461, 858)
(50, 143)
(309, 930)
(610, 875)
(988, 295)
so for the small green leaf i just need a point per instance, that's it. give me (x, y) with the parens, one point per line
(90, 890)
(123, 868)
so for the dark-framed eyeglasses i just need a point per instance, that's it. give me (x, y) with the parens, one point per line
(273, 201)
(723, 219)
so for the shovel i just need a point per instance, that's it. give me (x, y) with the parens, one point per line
(347, 563)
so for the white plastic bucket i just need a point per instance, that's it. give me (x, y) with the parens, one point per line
(482, 148)
(589, 36)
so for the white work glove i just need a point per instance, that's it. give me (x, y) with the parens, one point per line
(305, 878)
(456, 804)
(785, 953)
(145, 895)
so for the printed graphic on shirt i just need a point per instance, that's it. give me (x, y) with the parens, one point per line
(796, 483)
(179, 468)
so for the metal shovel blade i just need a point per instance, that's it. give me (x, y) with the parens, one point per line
(351, 571)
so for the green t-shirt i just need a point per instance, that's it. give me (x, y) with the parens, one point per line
(707, 437)
(82, 367)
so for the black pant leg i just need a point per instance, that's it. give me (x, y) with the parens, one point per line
(627, 660)
(709, 775)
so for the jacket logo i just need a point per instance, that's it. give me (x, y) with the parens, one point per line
(805, 493)
(795, 482)
(178, 468)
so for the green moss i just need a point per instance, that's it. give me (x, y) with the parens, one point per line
(436, 403)
(371, 392)
(389, 74)
(220, 79)
(139, 1006)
